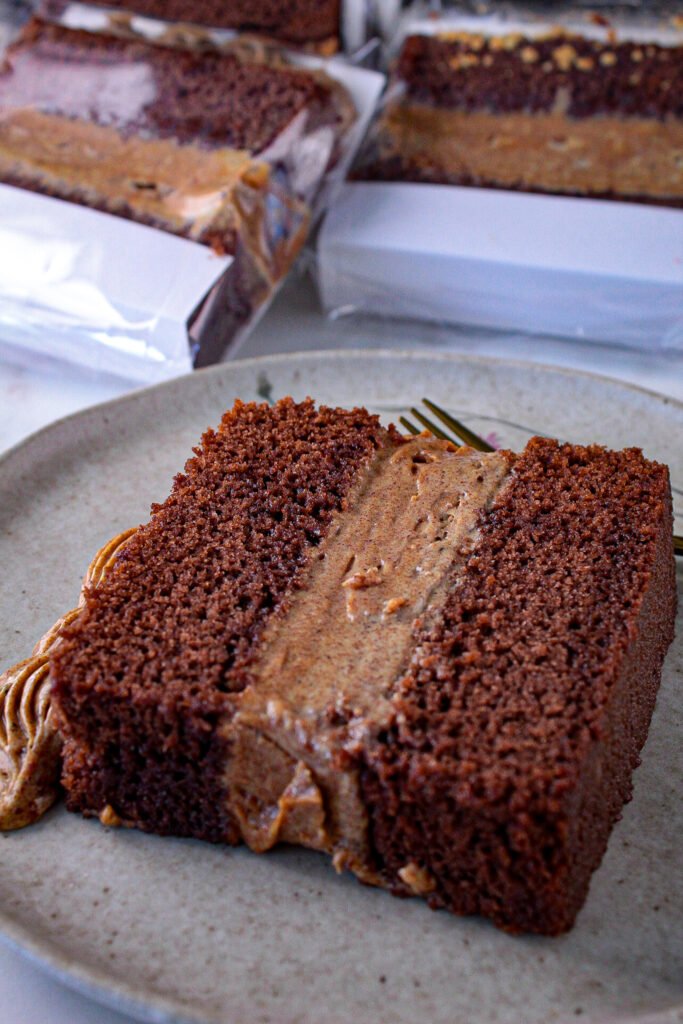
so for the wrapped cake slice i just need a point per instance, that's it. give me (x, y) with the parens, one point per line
(183, 141)
(227, 148)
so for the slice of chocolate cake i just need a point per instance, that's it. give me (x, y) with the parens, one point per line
(436, 665)
(313, 24)
(187, 141)
(555, 112)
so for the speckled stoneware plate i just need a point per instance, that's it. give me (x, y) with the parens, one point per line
(175, 930)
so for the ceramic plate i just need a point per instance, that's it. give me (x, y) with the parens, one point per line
(176, 930)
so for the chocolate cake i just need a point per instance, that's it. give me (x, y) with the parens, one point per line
(557, 113)
(192, 142)
(311, 23)
(436, 665)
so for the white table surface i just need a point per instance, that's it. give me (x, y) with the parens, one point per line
(33, 395)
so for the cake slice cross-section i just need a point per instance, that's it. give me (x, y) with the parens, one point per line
(553, 111)
(435, 665)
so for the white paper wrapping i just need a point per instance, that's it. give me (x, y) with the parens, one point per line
(589, 269)
(96, 289)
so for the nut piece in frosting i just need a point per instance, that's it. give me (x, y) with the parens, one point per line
(109, 818)
(418, 879)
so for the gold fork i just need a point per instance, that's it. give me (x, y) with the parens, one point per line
(463, 435)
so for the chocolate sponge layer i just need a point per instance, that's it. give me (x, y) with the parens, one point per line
(295, 21)
(143, 677)
(508, 73)
(521, 719)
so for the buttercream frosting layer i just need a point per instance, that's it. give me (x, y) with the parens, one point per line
(553, 152)
(326, 670)
(179, 187)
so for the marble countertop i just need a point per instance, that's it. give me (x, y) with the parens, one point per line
(35, 393)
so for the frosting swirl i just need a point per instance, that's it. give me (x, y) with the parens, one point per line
(30, 744)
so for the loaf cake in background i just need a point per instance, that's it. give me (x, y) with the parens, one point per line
(311, 24)
(435, 665)
(544, 111)
(190, 142)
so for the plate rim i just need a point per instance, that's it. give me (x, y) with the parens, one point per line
(343, 354)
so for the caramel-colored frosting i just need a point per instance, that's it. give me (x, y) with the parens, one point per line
(326, 670)
(30, 745)
(181, 187)
(544, 151)
(92, 122)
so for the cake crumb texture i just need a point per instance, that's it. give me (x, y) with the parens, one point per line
(520, 721)
(144, 675)
(503, 74)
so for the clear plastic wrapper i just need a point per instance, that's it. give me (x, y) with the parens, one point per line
(479, 196)
(216, 191)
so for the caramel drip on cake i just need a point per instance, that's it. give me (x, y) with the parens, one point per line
(30, 745)
(326, 670)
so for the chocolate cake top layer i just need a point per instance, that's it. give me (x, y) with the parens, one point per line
(172, 629)
(298, 21)
(559, 72)
(208, 98)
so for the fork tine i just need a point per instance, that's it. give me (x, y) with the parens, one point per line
(432, 427)
(410, 427)
(459, 429)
